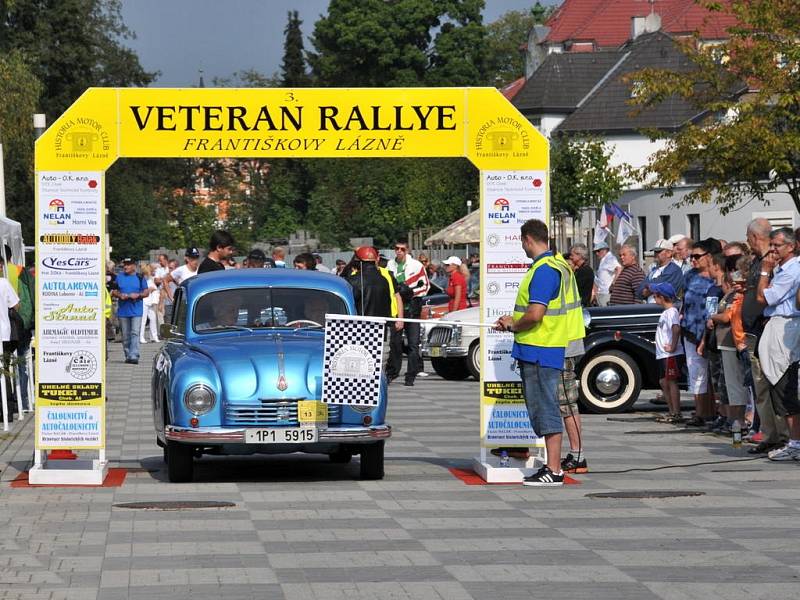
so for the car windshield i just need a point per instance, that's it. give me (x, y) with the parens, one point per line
(259, 308)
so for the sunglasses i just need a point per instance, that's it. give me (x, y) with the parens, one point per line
(401, 248)
(697, 256)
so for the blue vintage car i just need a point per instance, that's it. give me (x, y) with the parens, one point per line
(241, 373)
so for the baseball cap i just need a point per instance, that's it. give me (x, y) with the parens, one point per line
(366, 253)
(599, 246)
(452, 260)
(662, 244)
(663, 289)
(128, 261)
(677, 238)
(257, 254)
(192, 253)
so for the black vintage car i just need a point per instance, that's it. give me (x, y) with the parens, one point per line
(620, 358)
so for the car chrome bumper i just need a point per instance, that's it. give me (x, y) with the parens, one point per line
(443, 351)
(221, 435)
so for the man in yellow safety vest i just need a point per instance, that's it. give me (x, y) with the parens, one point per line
(547, 316)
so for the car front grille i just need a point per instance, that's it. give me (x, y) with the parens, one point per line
(272, 412)
(440, 336)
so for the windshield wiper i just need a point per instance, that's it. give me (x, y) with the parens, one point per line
(226, 327)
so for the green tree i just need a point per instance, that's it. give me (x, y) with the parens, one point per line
(72, 45)
(747, 145)
(293, 68)
(505, 37)
(399, 43)
(582, 174)
(19, 89)
(137, 221)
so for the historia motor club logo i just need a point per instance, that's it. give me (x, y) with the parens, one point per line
(70, 263)
(501, 213)
(56, 212)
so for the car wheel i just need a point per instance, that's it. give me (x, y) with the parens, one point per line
(610, 382)
(453, 369)
(180, 462)
(341, 457)
(372, 461)
(474, 360)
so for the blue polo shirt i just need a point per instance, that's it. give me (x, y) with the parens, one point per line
(544, 287)
(130, 284)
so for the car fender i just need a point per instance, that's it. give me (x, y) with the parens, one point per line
(191, 368)
(640, 349)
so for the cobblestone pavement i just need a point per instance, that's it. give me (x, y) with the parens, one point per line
(302, 528)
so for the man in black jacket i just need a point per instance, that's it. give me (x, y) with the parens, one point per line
(370, 288)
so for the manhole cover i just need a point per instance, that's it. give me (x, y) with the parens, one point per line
(660, 432)
(646, 494)
(176, 505)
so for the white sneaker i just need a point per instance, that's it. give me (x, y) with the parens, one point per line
(423, 374)
(785, 453)
(142, 341)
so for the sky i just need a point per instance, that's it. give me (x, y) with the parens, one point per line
(180, 37)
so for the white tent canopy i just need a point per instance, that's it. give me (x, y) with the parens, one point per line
(11, 234)
(467, 230)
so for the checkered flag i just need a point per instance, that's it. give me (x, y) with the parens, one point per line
(351, 367)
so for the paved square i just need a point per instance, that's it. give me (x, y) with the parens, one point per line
(303, 528)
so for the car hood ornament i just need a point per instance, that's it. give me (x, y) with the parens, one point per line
(281, 384)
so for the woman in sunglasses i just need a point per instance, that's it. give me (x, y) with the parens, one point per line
(700, 301)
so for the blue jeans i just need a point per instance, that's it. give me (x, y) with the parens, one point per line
(130, 336)
(22, 368)
(540, 388)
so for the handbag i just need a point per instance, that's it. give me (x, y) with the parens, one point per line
(17, 325)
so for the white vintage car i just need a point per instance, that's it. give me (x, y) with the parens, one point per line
(454, 349)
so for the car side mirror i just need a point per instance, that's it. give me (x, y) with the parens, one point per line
(167, 331)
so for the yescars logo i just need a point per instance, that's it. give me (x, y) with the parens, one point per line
(70, 263)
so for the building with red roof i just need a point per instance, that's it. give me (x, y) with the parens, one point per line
(590, 25)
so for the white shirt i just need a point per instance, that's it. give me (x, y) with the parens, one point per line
(8, 298)
(153, 298)
(322, 268)
(667, 319)
(605, 273)
(181, 274)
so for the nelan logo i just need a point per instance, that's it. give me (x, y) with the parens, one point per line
(57, 212)
(502, 215)
(70, 263)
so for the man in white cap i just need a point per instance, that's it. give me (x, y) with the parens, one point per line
(607, 270)
(664, 271)
(681, 247)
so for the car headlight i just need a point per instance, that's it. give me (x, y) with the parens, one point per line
(587, 318)
(199, 399)
(455, 339)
